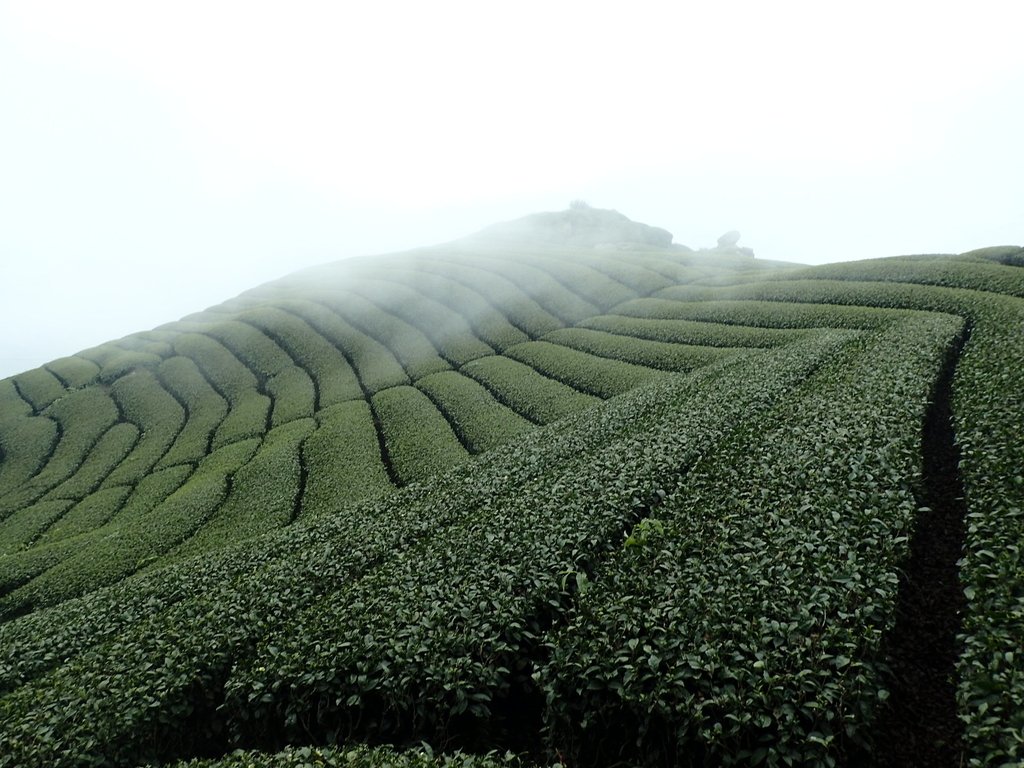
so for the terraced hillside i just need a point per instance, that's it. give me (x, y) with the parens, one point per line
(524, 502)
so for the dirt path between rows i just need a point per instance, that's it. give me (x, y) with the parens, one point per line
(920, 727)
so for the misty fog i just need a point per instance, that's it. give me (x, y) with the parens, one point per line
(159, 161)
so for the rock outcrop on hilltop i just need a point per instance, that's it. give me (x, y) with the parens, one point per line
(582, 227)
(729, 239)
(728, 245)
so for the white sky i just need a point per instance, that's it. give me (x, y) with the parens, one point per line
(158, 158)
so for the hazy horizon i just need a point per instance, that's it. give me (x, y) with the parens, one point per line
(158, 161)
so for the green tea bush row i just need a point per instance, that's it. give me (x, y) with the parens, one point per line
(661, 355)
(676, 268)
(415, 352)
(81, 418)
(151, 490)
(293, 396)
(419, 440)
(253, 348)
(374, 365)
(74, 372)
(989, 416)
(582, 277)
(444, 631)
(116, 358)
(133, 540)
(23, 527)
(150, 342)
(558, 300)
(741, 623)
(123, 362)
(105, 456)
(692, 332)
(224, 372)
(635, 270)
(703, 305)
(91, 512)
(512, 301)
(264, 491)
(851, 303)
(447, 329)
(12, 404)
(342, 459)
(18, 569)
(359, 756)
(486, 322)
(160, 418)
(941, 271)
(335, 381)
(480, 421)
(39, 388)
(1011, 255)
(26, 443)
(598, 376)
(248, 417)
(538, 398)
(205, 410)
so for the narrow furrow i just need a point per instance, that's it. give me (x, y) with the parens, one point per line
(60, 492)
(520, 308)
(270, 333)
(21, 394)
(366, 392)
(633, 272)
(74, 372)
(448, 416)
(186, 385)
(385, 454)
(502, 398)
(32, 443)
(365, 325)
(537, 397)
(333, 379)
(300, 494)
(63, 382)
(433, 319)
(921, 726)
(555, 297)
(28, 494)
(150, 417)
(575, 275)
(373, 364)
(424, 280)
(695, 332)
(653, 355)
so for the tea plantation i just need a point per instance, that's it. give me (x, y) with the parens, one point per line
(501, 504)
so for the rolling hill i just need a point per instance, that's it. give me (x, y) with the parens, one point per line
(559, 491)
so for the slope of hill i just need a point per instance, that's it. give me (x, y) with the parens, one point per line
(520, 494)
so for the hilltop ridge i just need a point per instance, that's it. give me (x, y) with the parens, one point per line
(512, 501)
(580, 226)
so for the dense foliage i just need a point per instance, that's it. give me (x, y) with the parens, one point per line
(508, 505)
